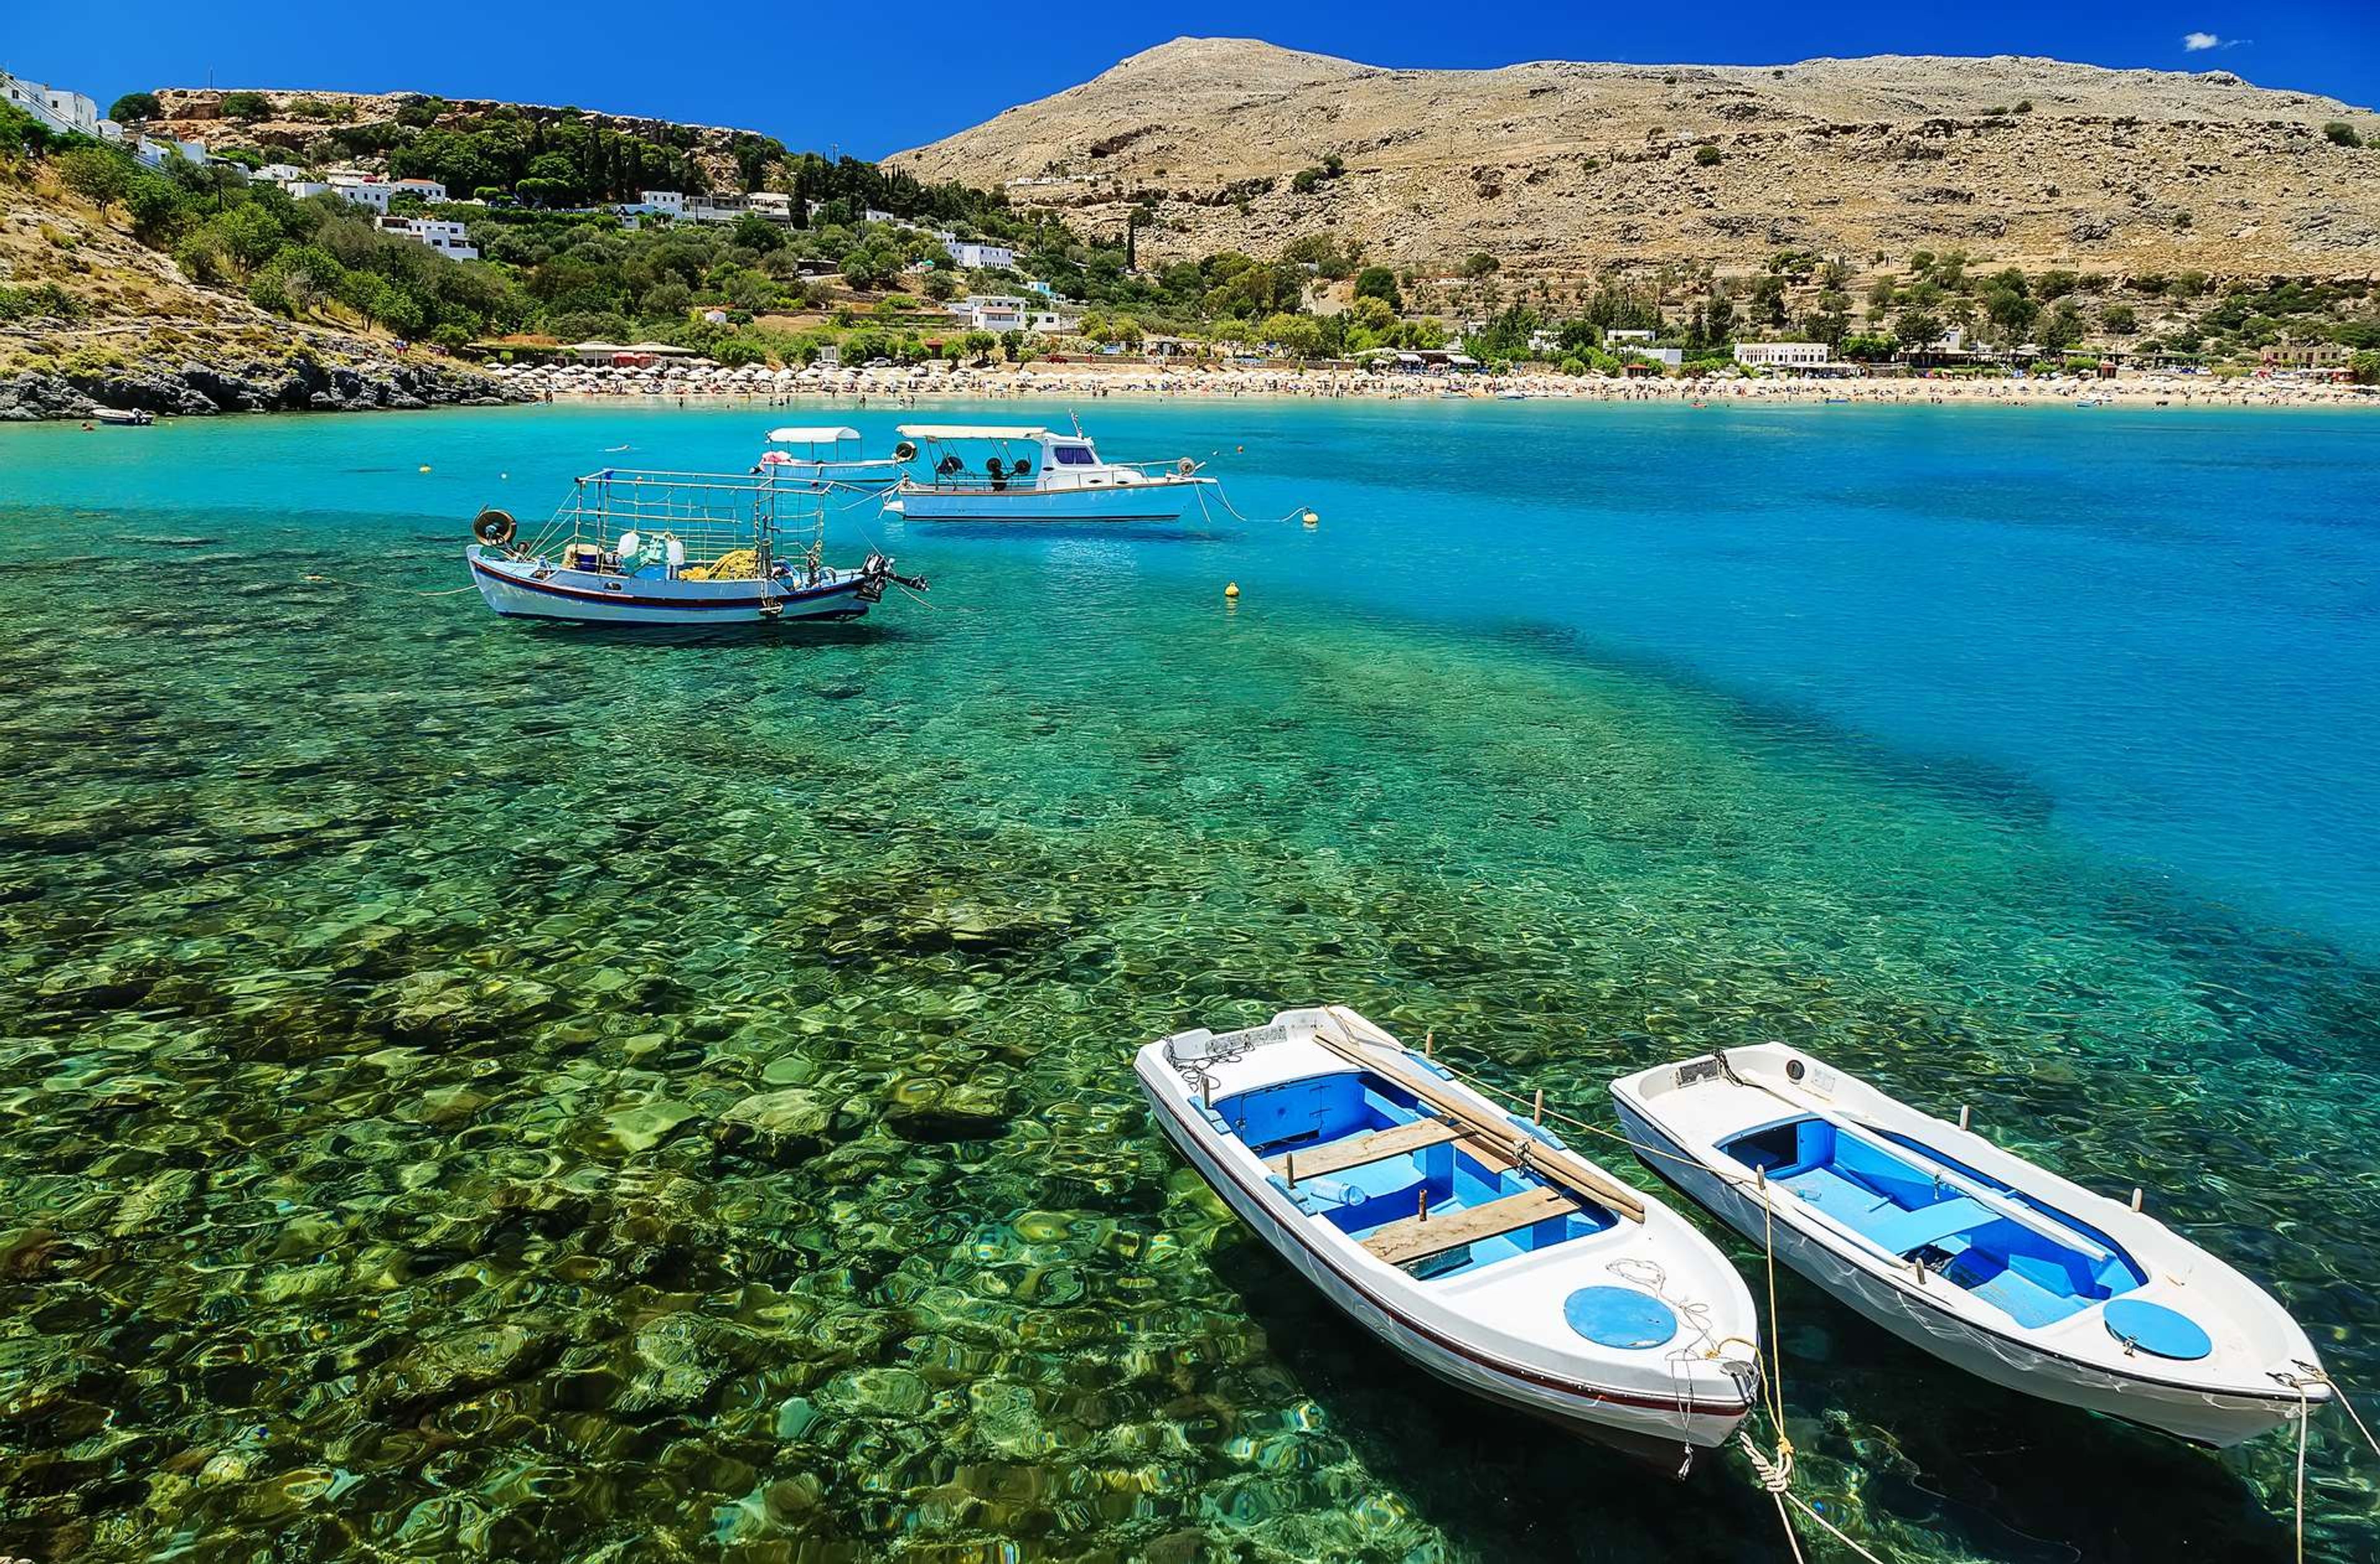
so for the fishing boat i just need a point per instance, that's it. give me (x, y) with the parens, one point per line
(674, 548)
(1033, 474)
(1984, 1259)
(1469, 1240)
(829, 457)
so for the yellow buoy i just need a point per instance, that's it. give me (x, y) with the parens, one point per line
(1231, 590)
(425, 466)
(1311, 519)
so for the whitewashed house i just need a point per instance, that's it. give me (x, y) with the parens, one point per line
(991, 313)
(370, 194)
(447, 238)
(976, 256)
(56, 108)
(429, 190)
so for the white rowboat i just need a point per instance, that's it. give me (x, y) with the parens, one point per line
(1988, 1261)
(1472, 1242)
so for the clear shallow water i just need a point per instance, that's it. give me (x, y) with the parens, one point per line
(470, 1090)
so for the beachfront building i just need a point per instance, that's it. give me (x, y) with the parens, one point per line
(1781, 354)
(973, 257)
(1632, 338)
(1668, 357)
(2305, 355)
(449, 239)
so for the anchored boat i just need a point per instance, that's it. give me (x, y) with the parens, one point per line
(826, 456)
(990, 472)
(1988, 1261)
(674, 548)
(1472, 1242)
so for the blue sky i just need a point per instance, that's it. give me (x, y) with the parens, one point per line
(875, 81)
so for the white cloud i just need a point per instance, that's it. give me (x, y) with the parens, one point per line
(2193, 42)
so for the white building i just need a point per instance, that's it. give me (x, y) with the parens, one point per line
(429, 190)
(279, 173)
(991, 313)
(979, 257)
(1051, 322)
(769, 204)
(1781, 354)
(662, 203)
(1674, 358)
(446, 238)
(155, 154)
(370, 194)
(1618, 339)
(55, 108)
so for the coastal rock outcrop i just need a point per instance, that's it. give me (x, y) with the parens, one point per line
(303, 384)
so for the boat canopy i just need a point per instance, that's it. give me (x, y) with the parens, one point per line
(822, 435)
(970, 431)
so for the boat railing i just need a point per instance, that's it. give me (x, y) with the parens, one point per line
(710, 514)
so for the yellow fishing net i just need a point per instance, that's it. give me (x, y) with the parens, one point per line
(735, 564)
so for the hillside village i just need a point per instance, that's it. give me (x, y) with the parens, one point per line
(539, 238)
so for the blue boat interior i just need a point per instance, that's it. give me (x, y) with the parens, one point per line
(1312, 1116)
(1875, 1183)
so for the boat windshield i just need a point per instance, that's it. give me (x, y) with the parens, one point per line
(1072, 455)
(1912, 1201)
(1360, 1153)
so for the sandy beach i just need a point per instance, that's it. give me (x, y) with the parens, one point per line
(707, 383)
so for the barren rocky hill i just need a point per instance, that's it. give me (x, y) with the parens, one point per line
(1561, 169)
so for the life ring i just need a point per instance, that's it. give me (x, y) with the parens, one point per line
(1186, 465)
(493, 527)
(992, 466)
(1022, 465)
(949, 465)
(905, 452)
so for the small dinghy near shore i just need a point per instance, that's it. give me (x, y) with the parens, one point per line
(1984, 1259)
(1472, 1242)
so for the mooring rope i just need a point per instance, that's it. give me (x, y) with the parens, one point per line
(1230, 509)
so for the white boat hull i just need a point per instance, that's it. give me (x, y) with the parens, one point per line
(1155, 499)
(536, 590)
(1635, 1400)
(875, 473)
(1924, 1313)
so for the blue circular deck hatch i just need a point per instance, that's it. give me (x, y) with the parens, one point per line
(2154, 1328)
(1620, 1316)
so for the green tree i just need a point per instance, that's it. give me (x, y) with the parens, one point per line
(2365, 367)
(100, 176)
(1480, 265)
(755, 232)
(246, 107)
(2062, 327)
(1768, 300)
(1378, 282)
(1917, 329)
(2118, 320)
(133, 107)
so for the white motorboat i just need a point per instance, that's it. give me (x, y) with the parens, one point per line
(1034, 474)
(1988, 1261)
(673, 548)
(827, 456)
(1471, 1241)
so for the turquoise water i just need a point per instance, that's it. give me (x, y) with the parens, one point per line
(472, 1090)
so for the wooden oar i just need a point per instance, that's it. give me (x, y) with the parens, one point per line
(1499, 1132)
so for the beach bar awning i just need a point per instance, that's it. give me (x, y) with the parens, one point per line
(822, 435)
(969, 431)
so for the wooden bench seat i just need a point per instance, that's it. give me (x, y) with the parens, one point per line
(1418, 1238)
(1377, 1146)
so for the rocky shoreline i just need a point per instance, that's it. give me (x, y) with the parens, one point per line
(298, 385)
